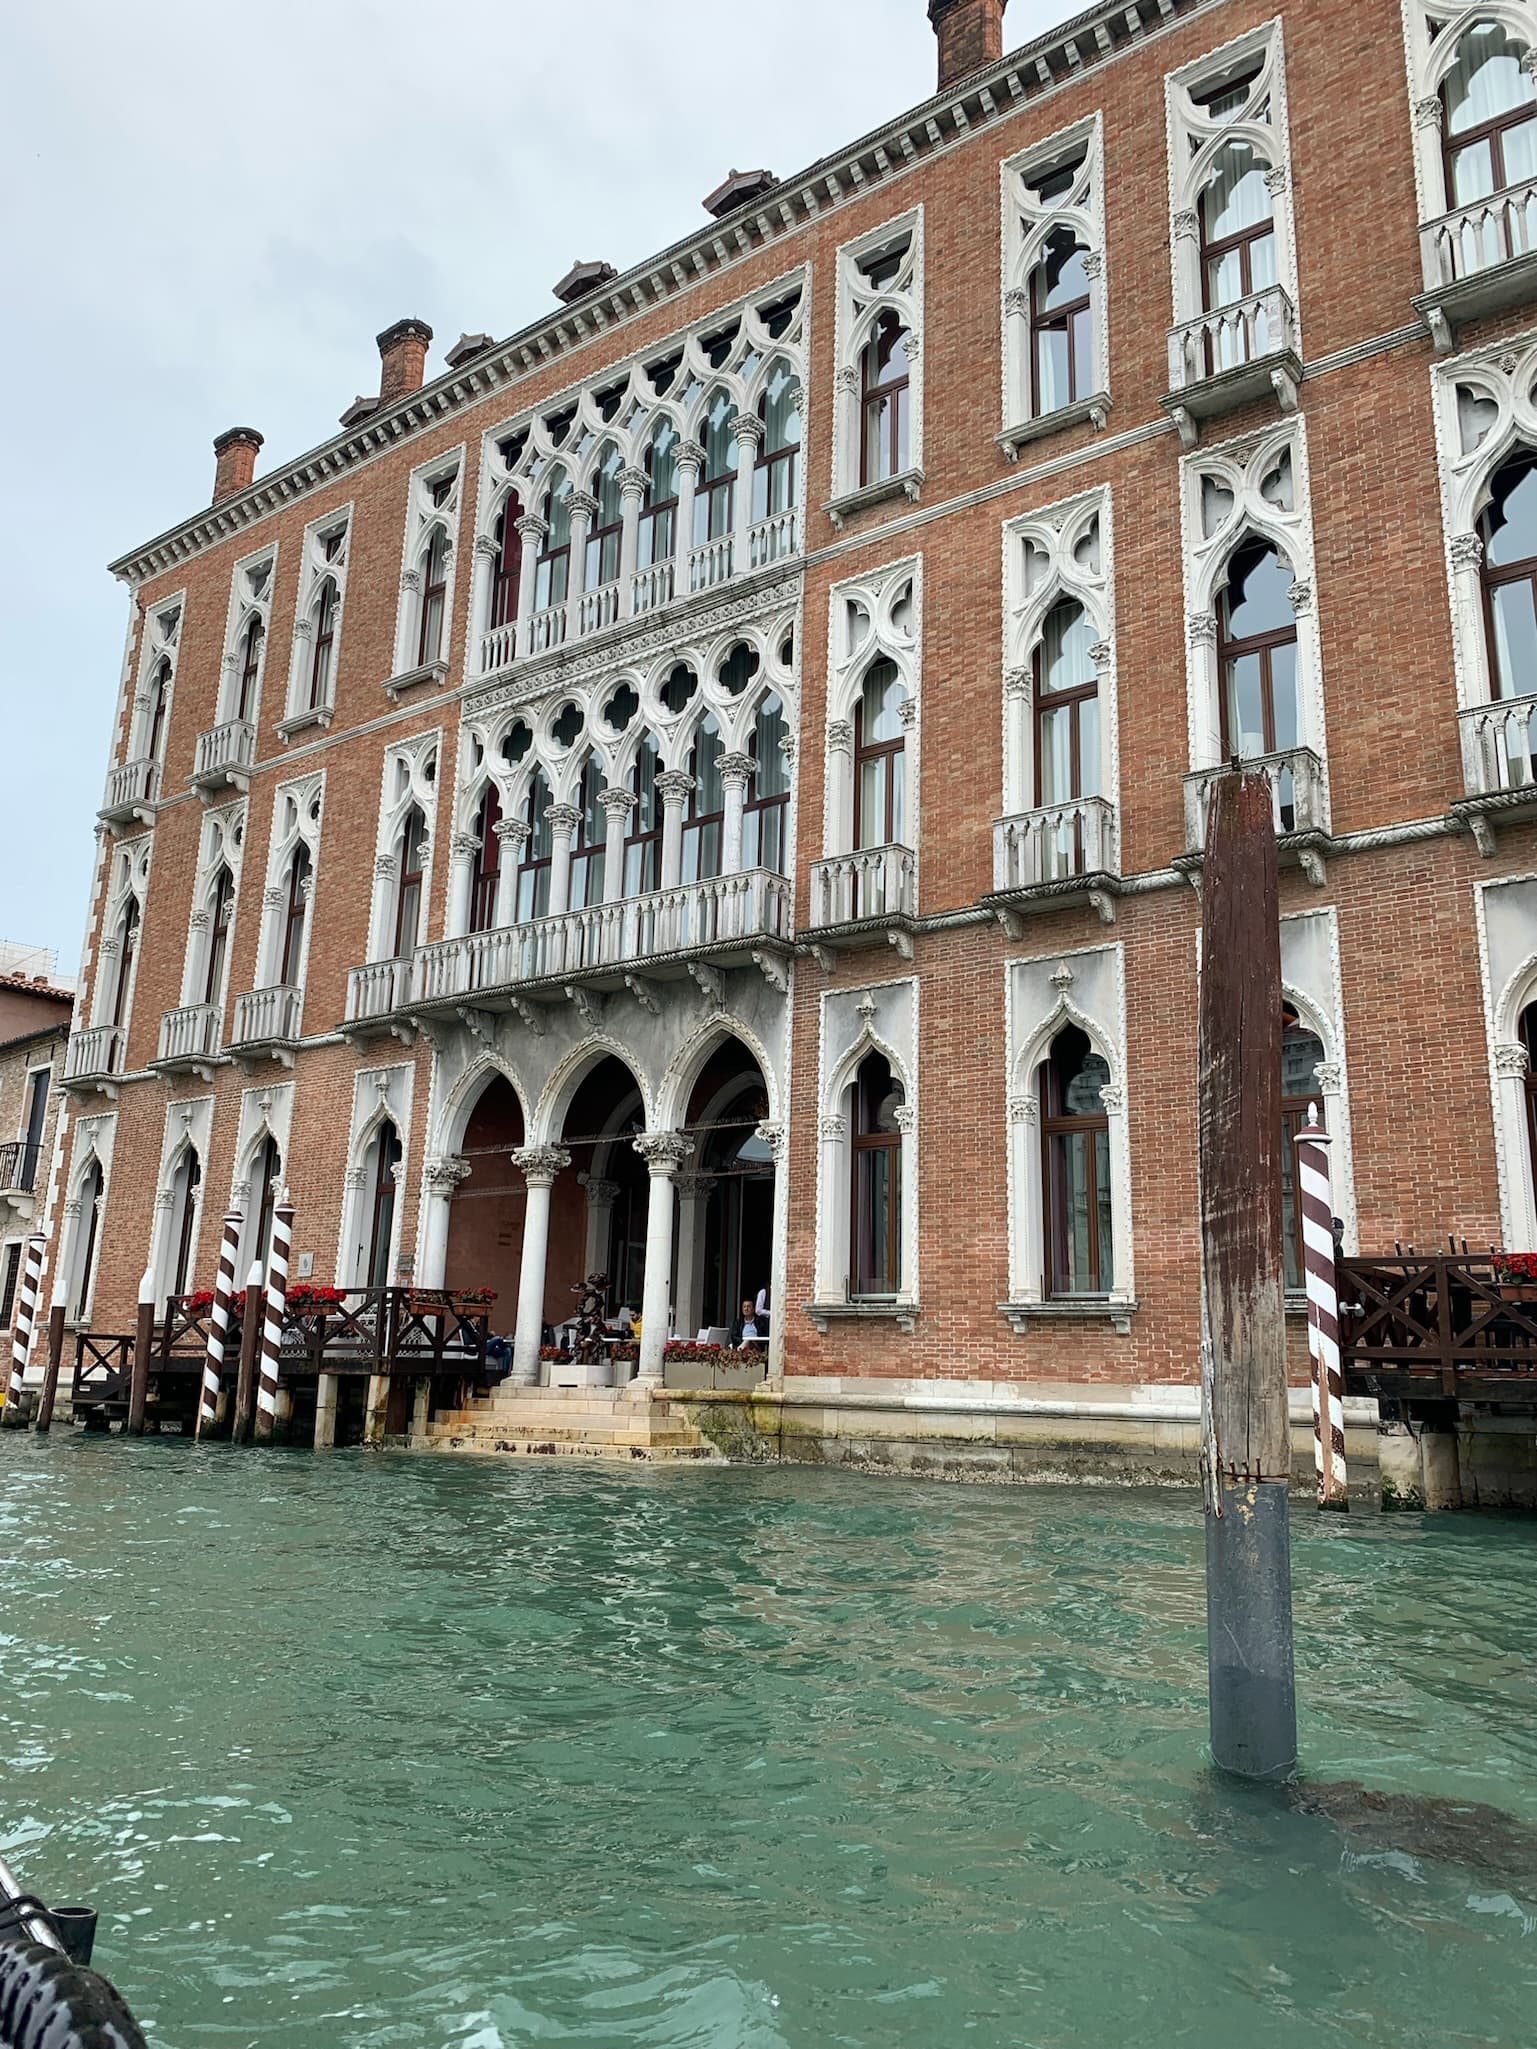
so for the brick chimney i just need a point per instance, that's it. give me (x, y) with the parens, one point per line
(403, 359)
(234, 461)
(970, 35)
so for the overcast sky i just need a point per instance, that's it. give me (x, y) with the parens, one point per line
(210, 209)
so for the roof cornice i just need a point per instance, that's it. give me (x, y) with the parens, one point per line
(1021, 78)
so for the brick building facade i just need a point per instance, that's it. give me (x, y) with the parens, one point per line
(712, 787)
(35, 1017)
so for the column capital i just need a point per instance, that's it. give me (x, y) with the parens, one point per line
(618, 801)
(446, 1172)
(748, 427)
(673, 786)
(539, 1164)
(485, 545)
(464, 846)
(691, 1186)
(583, 505)
(690, 455)
(530, 527)
(512, 831)
(1467, 551)
(564, 817)
(600, 1194)
(737, 768)
(633, 482)
(771, 1135)
(663, 1151)
(1510, 1060)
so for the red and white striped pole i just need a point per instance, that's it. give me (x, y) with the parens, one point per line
(218, 1324)
(1316, 1207)
(26, 1314)
(272, 1330)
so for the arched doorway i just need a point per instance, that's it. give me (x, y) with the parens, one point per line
(602, 1227)
(485, 1227)
(726, 1205)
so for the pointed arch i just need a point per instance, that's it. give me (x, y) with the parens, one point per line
(559, 1090)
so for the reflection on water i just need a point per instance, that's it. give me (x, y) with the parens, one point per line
(370, 1750)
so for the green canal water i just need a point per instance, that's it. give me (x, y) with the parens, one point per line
(379, 1750)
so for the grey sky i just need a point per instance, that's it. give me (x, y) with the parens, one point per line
(209, 210)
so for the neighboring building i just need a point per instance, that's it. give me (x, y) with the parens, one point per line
(711, 788)
(35, 1013)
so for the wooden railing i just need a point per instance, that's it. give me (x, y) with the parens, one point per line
(103, 1365)
(384, 1330)
(1440, 1327)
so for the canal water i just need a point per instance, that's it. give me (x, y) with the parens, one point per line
(407, 1753)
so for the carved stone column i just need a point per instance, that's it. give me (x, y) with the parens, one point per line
(618, 804)
(748, 429)
(632, 493)
(444, 1175)
(601, 1197)
(664, 1153)
(689, 458)
(693, 1212)
(511, 838)
(564, 819)
(736, 772)
(539, 1165)
(531, 532)
(673, 786)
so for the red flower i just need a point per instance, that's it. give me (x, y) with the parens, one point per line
(1515, 1266)
(196, 1304)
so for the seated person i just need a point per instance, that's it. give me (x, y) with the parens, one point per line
(747, 1326)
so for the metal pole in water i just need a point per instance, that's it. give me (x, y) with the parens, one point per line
(1246, 1439)
(218, 1325)
(272, 1323)
(1315, 1215)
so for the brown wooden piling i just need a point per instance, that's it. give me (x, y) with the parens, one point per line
(250, 1340)
(56, 1316)
(143, 1346)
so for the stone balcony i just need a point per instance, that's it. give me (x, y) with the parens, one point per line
(20, 1167)
(694, 930)
(1230, 357)
(1299, 809)
(189, 1040)
(864, 898)
(1048, 857)
(94, 1058)
(608, 607)
(224, 757)
(1499, 766)
(377, 993)
(1478, 259)
(132, 792)
(267, 1025)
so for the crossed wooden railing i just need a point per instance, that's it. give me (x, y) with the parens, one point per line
(1437, 1327)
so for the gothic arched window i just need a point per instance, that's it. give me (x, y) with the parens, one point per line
(715, 498)
(408, 885)
(1508, 526)
(1238, 244)
(880, 759)
(587, 847)
(127, 954)
(603, 541)
(488, 861)
(507, 574)
(295, 917)
(1066, 706)
(705, 819)
(269, 1182)
(159, 708)
(775, 477)
(323, 621)
(221, 912)
(875, 1183)
(184, 1202)
(1257, 654)
(383, 1158)
(552, 574)
(533, 891)
(1075, 1168)
(884, 395)
(768, 794)
(1061, 325)
(251, 644)
(659, 507)
(643, 841)
(1489, 131)
(429, 639)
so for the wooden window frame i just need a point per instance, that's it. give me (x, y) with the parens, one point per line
(1231, 648)
(301, 868)
(408, 885)
(161, 686)
(530, 864)
(1059, 319)
(864, 1142)
(1048, 701)
(586, 854)
(129, 935)
(218, 936)
(322, 653)
(182, 1261)
(254, 640)
(1492, 131)
(1057, 1123)
(878, 750)
(434, 604)
(485, 874)
(385, 1194)
(875, 392)
(507, 571)
(1492, 577)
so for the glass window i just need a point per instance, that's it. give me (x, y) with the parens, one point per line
(1528, 1031)
(704, 821)
(1061, 353)
(533, 893)
(159, 707)
(775, 478)
(1238, 255)
(1490, 129)
(487, 868)
(250, 664)
(385, 1152)
(875, 1260)
(768, 794)
(716, 495)
(607, 530)
(880, 759)
(323, 622)
(553, 573)
(408, 893)
(291, 963)
(1257, 655)
(429, 644)
(1075, 1164)
(587, 849)
(269, 1183)
(885, 395)
(643, 843)
(508, 573)
(221, 912)
(659, 507)
(1066, 707)
(1509, 530)
(127, 953)
(189, 1177)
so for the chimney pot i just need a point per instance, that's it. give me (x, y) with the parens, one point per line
(402, 359)
(583, 278)
(467, 348)
(736, 189)
(234, 454)
(970, 35)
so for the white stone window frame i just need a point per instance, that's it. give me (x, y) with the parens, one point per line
(637, 414)
(1428, 57)
(1506, 914)
(409, 778)
(298, 813)
(1194, 138)
(221, 844)
(874, 1017)
(1501, 379)
(188, 1128)
(423, 520)
(859, 307)
(1057, 532)
(265, 1112)
(1241, 468)
(877, 596)
(1086, 987)
(380, 1095)
(487, 722)
(95, 1142)
(127, 877)
(163, 624)
(244, 606)
(314, 569)
(1026, 226)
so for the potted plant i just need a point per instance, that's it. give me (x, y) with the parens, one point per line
(1515, 1275)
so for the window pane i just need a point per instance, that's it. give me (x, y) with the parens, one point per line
(773, 776)
(899, 798)
(1061, 278)
(1520, 147)
(1088, 747)
(1052, 385)
(1083, 371)
(1245, 707)
(875, 1220)
(872, 803)
(1283, 695)
(1510, 523)
(1485, 80)
(1472, 173)
(883, 695)
(1224, 281)
(1069, 1175)
(1515, 638)
(1262, 270)
(1104, 1280)
(900, 458)
(1236, 195)
(1258, 595)
(1056, 730)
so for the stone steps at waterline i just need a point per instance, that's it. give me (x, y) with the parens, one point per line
(581, 1423)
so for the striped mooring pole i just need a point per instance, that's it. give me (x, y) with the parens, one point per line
(1316, 1206)
(26, 1315)
(218, 1324)
(272, 1329)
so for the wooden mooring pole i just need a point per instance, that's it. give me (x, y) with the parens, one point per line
(250, 1339)
(143, 1345)
(1246, 1437)
(56, 1316)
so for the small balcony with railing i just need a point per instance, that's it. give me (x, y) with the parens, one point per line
(608, 607)
(132, 792)
(189, 1040)
(696, 929)
(267, 1025)
(1477, 259)
(20, 1170)
(95, 1057)
(864, 898)
(224, 758)
(1231, 356)
(1045, 858)
(1299, 808)
(1499, 766)
(377, 994)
